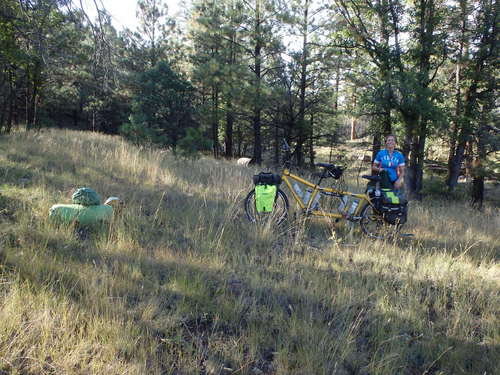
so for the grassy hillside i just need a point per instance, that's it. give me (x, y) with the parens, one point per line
(180, 283)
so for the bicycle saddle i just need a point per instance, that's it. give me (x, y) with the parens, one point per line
(372, 178)
(331, 170)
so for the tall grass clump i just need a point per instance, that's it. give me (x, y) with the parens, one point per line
(180, 283)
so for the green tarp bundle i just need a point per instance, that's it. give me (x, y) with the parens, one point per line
(84, 215)
(86, 197)
(264, 197)
(85, 210)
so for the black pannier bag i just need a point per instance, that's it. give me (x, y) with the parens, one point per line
(267, 178)
(395, 213)
(393, 208)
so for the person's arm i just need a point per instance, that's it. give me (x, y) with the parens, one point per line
(377, 165)
(401, 176)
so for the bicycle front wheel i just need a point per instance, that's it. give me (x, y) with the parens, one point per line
(278, 214)
(373, 224)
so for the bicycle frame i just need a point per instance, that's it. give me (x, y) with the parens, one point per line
(287, 176)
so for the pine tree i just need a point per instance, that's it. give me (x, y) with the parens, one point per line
(162, 108)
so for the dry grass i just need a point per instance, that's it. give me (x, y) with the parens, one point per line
(181, 284)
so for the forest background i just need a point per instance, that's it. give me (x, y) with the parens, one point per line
(179, 282)
(235, 77)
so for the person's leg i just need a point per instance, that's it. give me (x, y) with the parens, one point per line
(400, 193)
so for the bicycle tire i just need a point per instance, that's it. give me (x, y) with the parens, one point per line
(276, 216)
(373, 225)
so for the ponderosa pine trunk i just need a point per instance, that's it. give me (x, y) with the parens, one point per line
(257, 109)
(311, 142)
(455, 165)
(302, 126)
(229, 130)
(455, 125)
(215, 122)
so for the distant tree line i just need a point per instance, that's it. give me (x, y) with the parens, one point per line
(237, 76)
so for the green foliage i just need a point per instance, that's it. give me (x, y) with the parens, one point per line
(434, 188)
(162, 108)
(139, 134)
(193, 143)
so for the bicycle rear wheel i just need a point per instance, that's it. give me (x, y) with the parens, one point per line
(373, 224)
(276, 216)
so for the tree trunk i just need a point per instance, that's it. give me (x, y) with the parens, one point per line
(478, 173)
(277, 144)
(229, 130)
(301, 120)
(12, 103)
(3, 110)
(75, 118)
(455, 166)
(239, 137)
(416, 127)
(337, 86)
(452, 175)
(477, 192)
(353, 128)
(376, 145)
(32, 98)
(256, 119)
(311, 142)
(469, 159)
(332, 145)
(486, 50)
(414, 174)
(215, 122)
(410, 151)
(386, 71)
(2, 117)
(257, 143)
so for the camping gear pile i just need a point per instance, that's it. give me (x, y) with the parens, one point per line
(85, 210)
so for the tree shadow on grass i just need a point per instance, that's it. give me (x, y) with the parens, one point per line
(15, 175)
(475, 252)
(200, 317)
(199, 314)
(421, 345)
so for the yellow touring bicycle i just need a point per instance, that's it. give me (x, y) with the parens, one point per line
(377, 220)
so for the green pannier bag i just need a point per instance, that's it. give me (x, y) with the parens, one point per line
(264, 197)
(389, 196)
(83, 215)
(86, 197)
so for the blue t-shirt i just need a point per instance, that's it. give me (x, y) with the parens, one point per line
(390, 163)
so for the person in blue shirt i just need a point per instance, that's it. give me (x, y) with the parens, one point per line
(391, 161)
